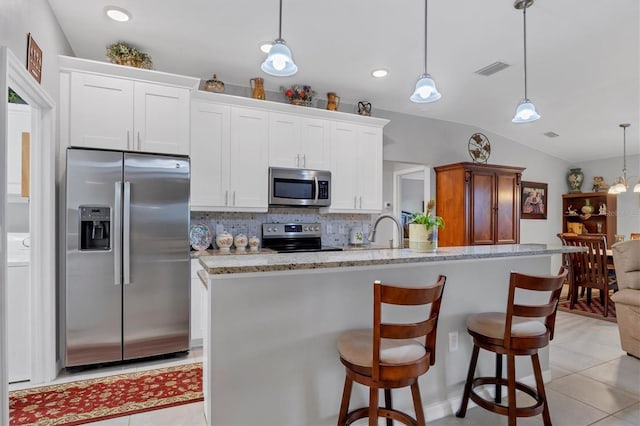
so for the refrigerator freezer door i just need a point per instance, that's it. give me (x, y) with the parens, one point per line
(93, 314)
(156, 300)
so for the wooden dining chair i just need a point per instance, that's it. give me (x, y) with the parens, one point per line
(392, 354)
(590, 269)
(522, 330)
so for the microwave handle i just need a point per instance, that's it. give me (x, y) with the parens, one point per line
(317, 187)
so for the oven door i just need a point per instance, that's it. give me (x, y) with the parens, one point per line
(299, 187)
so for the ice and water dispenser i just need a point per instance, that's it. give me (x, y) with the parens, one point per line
(95, 228)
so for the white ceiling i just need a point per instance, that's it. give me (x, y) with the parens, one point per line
(583, 57)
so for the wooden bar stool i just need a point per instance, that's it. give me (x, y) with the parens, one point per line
(391, 355)
(522, 330)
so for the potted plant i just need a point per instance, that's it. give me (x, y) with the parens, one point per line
(122, 53)
(423, 229)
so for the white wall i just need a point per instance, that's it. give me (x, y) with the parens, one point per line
(628, 202)
(18, 18)
(435, 142)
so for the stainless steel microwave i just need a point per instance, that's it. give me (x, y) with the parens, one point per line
(299, 187)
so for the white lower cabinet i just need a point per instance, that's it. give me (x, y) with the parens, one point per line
(356, 169)
(229, 157)
(198, 298)
(19, 324)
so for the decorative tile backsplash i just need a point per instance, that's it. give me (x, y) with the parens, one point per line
(335, 227)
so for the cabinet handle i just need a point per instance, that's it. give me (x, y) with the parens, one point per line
(355, 201)
(304, 160)
(361, 202)
(128, 141)
(139, 142)
(297, 160)
(234, 198)
(226, 197)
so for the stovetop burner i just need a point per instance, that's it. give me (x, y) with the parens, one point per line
(294, 237)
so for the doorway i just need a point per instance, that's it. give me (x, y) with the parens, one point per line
(411, 190)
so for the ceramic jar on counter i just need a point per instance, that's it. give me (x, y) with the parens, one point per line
(240, 241)
(224, 240)
(254, 243)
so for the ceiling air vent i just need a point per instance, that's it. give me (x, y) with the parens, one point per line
(492, 69)
(551, 135)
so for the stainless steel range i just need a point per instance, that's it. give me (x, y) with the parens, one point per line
(294, 237)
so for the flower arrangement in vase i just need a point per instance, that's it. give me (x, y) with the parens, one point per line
(122, 53)
(423, 229)
(299, 95)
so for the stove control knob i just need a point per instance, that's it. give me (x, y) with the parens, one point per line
(317, 228)
(306, 228)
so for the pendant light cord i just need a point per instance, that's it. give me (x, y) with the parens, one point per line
(624, 154)
(425, 35)
(280, 23)
(524, 16)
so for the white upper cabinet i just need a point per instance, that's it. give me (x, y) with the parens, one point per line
(299, 142)
(356, 169)
(229, 162)
(114, 107)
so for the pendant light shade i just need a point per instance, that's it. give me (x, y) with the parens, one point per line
(620, 184)
(279, 61)
(425, 90)
(526, 111)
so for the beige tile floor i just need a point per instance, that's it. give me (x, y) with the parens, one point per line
(593, 383)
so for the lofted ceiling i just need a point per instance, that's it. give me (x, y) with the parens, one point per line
(583, 57)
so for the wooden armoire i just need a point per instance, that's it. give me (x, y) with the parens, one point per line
(480, 204)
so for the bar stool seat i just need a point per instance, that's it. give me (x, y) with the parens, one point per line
(391, 354)
(521, 330)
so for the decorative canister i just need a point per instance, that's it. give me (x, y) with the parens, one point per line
(588, 207)
(364, 108)
(257, 87)
(224, 240)
(575, 178)
(254, 243)
(333, 101)
(214, 85)
(240, 241)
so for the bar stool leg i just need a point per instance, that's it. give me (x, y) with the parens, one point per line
(498, 397)
(346, 397)
(417, 403)
(511, 388)
(373, 406)
(467, 386)
(388, 404)
(535, 361)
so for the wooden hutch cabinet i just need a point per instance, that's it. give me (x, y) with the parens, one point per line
(480, 204)
(594, 223)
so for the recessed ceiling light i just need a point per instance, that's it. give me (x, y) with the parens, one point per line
(265, 46)
(379, 73)
(117, 13)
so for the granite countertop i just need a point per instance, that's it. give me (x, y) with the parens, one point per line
(233, 251)
(220, 265)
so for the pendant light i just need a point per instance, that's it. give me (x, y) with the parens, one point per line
(526, 111)
(279, 61)
(425, 90)
(620, 184)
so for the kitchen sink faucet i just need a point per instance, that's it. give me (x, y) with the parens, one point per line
(372, 235)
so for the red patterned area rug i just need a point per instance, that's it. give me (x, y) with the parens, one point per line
(103, 398)
(593, 310)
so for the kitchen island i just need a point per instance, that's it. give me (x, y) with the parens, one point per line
(270, 350)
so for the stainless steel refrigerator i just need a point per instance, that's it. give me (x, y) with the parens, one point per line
(127, 280)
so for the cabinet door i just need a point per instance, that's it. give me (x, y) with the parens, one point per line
(101, 112)
(284, 140)
(314, 143)
(344, 188)
(161, 119)
(248, 159)
(196, 304)
(508, 209)
(18, 324)
(369, 166)
(210, 126)
(483, 206)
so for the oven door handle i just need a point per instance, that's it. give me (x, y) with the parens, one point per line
(315, 179)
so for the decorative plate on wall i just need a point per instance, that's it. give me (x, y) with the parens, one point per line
(479, 148)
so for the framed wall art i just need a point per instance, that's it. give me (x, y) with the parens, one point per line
(534, 200)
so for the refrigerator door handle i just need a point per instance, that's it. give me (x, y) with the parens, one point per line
(117, 243)
(126, 234)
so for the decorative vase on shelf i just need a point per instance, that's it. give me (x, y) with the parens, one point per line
(575, 178)
(422, 239)
(588, 207)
